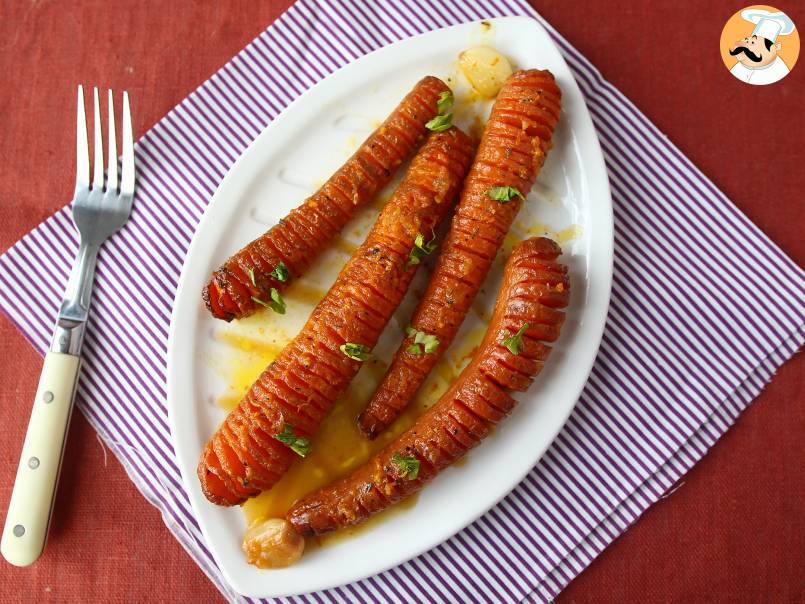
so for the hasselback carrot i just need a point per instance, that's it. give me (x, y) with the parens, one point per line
(513, 147)
(271, 426)
(527, 313)
(287, 249)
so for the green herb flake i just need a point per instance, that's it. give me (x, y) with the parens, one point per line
(407, 467)
(356, 352)
(298, 444)
(251, 277)
(445, 102)
(431, 344)
(421, 249)
(414, 349)
(515, 343)
(440, 123)
(504, 194)
(280, 272)
(423, 342)
(277, 304)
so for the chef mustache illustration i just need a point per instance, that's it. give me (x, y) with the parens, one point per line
(755, 51)
(745, 46)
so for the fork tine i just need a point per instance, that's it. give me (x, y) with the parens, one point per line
(127, 174)
(97, 180)
(111, 164)
(82, 145)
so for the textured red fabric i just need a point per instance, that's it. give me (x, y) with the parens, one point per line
(734, 530)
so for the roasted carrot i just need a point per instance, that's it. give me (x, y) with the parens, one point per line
(273, 423)
(513, 147)
(287, 249)
(535, 289)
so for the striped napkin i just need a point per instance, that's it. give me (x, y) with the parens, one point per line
(704, 309)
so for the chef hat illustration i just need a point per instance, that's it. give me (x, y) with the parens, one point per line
(767, 24)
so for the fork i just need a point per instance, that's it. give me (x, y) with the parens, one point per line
(100, 208)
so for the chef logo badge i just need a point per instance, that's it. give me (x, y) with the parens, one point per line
(760, 45)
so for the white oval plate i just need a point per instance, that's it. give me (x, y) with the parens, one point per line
(308, 141)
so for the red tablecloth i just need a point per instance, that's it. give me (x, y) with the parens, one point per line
(735, 528)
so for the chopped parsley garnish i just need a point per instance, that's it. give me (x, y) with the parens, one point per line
(504, 194)
(280, 272)
(298, 444)
(515, 343)
(356, 352)
(413, 349)
(407, 467)
(440, 123)
(421, 249)
(251, 277)
(445, 102)
(277, 304)
(423, 342)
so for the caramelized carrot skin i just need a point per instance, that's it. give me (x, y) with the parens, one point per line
(307, 231)
(513, 147)
(243, 458)
(535, 288)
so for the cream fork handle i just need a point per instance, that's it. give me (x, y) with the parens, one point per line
(28, 519)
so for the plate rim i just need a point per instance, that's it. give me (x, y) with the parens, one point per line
(595, 314)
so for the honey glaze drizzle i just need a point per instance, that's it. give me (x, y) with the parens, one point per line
(338, 447)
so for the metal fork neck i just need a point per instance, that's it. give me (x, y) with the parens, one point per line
(68, 341)
(69, 334)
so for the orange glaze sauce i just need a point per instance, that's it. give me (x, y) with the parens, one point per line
(338, 446)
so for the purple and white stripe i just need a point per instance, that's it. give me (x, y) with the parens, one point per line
(671, 377)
